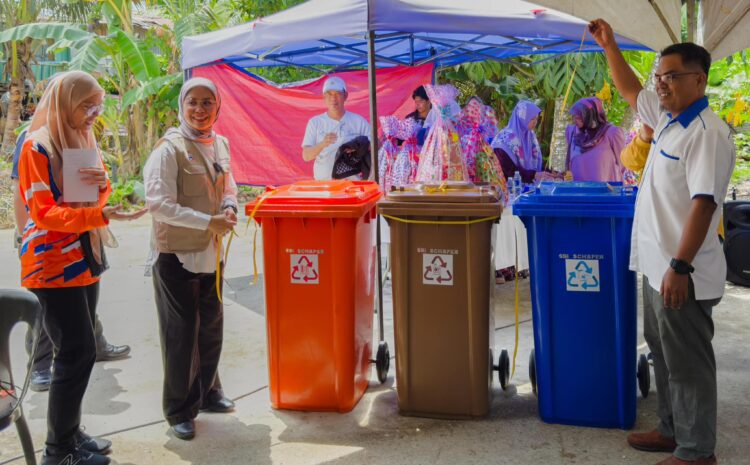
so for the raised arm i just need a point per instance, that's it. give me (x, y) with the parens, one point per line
(626, 81)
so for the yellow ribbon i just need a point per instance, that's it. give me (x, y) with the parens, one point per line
(232, 234)
(517, 303)
(570, 85)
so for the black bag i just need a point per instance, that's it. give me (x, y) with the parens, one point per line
(353, 158)
(88, 255)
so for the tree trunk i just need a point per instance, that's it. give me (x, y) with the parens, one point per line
(558, 146)
(14, 117)
(544, 130)
(19, 59)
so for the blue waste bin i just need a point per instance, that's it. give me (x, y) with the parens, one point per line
(584, 302)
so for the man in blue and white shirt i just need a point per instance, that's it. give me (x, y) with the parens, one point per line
(673, 243)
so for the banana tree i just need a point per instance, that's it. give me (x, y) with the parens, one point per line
(20, 46)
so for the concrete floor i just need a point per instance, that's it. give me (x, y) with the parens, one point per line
(123, 399)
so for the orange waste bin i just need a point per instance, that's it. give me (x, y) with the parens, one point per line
(319, 272)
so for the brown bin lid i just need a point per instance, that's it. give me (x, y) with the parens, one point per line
(446, 192)
(442, 199)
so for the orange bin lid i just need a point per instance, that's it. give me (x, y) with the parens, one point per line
(324, 199)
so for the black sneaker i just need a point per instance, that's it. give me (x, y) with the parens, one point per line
(92, 443)
(76, 457)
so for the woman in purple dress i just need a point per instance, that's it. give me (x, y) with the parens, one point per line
(594, 144)
(516, 146)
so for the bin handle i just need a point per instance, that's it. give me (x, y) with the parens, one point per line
(360, 190)
(460, 222)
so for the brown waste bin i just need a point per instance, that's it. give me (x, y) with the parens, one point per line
(443, 278)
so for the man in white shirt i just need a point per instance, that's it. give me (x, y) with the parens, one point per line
(674, 243)
(325, 133)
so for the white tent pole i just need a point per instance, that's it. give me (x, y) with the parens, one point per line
(372, 79)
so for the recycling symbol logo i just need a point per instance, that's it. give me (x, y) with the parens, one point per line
(582, 275)
(438, 269)
(304, 269)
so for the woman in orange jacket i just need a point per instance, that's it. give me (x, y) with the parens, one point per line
(62, 254)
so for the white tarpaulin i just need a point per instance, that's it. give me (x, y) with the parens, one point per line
(726, 26)
(723, 25)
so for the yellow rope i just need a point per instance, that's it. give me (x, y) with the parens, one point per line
(459, 222)
(567, 90)
(232, 234)
(515, 348)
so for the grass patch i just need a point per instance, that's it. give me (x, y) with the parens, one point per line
(741, 171)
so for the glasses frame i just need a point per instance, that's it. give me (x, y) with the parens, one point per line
(93, 110)
(668, 78)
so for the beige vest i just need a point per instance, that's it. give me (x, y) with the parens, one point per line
(200, 187)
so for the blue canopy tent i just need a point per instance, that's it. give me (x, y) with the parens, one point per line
(404, 32)
(345, 34)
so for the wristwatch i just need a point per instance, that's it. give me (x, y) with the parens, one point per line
(681, 266)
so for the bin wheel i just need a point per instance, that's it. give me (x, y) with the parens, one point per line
(492, 365)
(644, 375)
(532, 371)
(503, 369)
(383, 361)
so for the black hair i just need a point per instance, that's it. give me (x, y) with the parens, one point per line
(691, 54)
(420, 92)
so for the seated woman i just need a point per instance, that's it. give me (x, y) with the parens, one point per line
(594, 144)
(517, 147)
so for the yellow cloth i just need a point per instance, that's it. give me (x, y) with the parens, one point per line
(634, 156)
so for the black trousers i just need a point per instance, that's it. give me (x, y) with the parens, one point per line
(69, 321)
(43, 357)
(191, 326)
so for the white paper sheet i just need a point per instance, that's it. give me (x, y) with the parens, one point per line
(74, 189)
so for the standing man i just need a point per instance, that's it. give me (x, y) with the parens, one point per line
(682, 191)
(325, 133)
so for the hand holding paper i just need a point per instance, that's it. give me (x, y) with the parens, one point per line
(76, 185)
(95, 176)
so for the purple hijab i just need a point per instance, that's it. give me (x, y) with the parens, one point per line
(595, 124)
(518, 141)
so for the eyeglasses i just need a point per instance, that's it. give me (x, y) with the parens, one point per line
(669, 77)
(93, 110)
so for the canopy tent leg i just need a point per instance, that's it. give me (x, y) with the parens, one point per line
(372, 79)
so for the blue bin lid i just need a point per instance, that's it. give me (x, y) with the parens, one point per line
(580, 192)
(577, 199)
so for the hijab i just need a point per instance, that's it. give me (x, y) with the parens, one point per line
(518, 141)
(595, 124)
(187, 131)
(51, 126)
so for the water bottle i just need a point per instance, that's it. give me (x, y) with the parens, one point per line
(511, 188)
(517, 184)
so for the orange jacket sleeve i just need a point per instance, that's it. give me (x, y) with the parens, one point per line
(36, 191)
